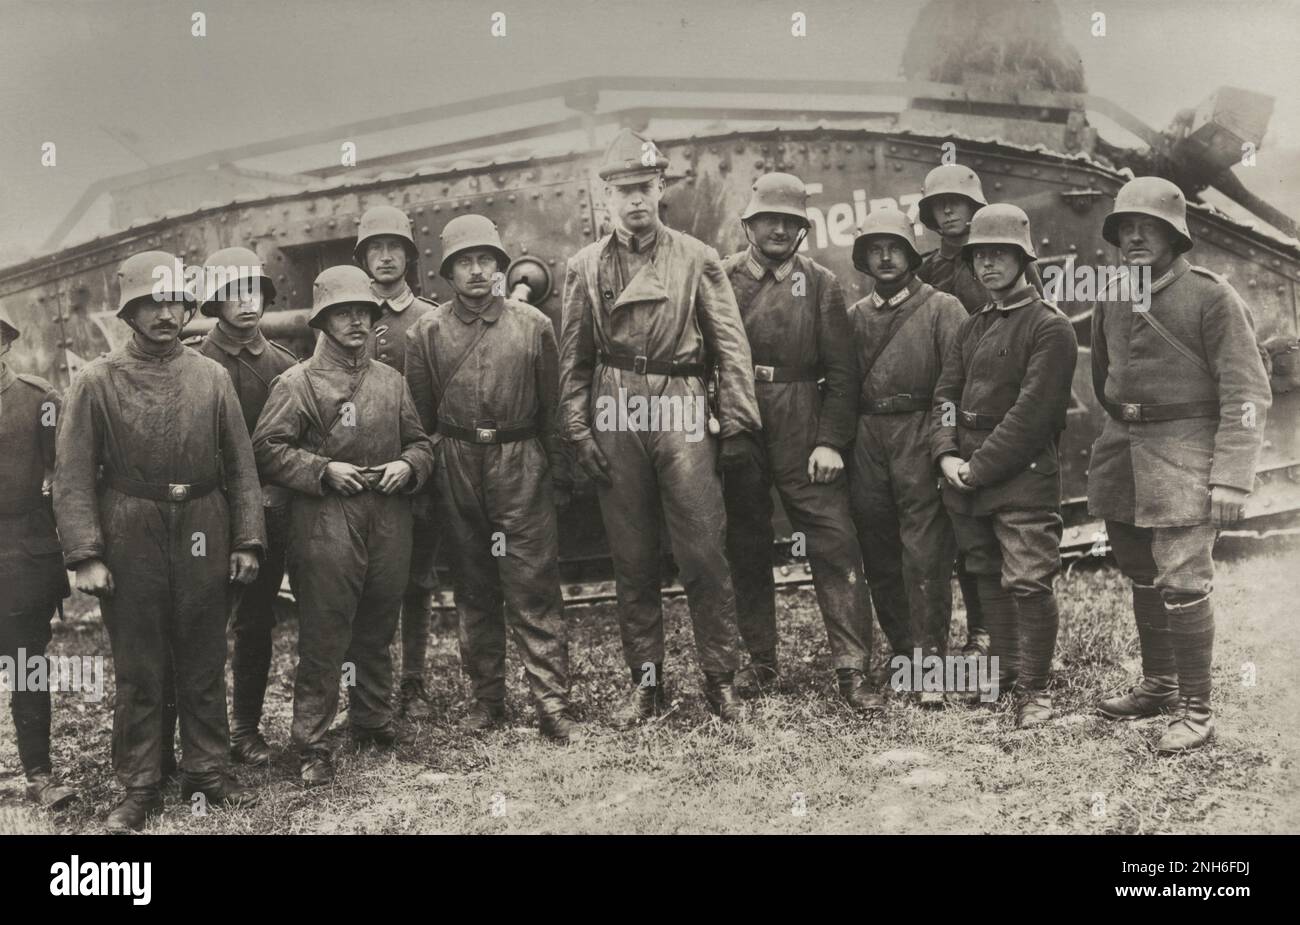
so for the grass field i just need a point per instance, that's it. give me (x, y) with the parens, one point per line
(802, 763)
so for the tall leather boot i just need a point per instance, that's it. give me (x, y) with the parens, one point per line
(414, 699)
(977, 636)
(136, 807)
(1158, 690)
(857, 692)
(760, 676)
(931, 619)
(720, 694)
(1002, 620)
(889, 598)
(1039, 621)
(646, 700)
(1191, 625)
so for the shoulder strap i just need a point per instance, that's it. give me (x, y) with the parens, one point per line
(460, 361)
(1177, 344)
(311, 392)
(895, 324)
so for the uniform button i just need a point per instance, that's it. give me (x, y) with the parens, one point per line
(383, 340)
(1033, 465)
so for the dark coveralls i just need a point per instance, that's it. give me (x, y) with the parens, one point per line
(32, 578)
(156, 424)
(666, 301)
(388, 344)
(253, 366)
(906, 536)
(488, 383)
(1001, 402)
(349, 557)
(796, 340)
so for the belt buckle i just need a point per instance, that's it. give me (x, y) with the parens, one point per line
(1131, 411)
(485, 434)
(764, 373)
(178, 492)
(639, 364)
(969, 419)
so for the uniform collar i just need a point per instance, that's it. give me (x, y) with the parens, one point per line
(254, 345)
(398, 303)
(897, 299)
(1176, 269)
(6, 376)
(1019, 296)
(490, 312)
(640, 243)
(134, 351)
(758, 267)
(330, 353)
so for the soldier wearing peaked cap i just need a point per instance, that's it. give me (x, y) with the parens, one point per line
(386, 250)
(1186, 395)
(645, 308)
(793, 311)
(341, 432)
(31, 567)
(176, 516)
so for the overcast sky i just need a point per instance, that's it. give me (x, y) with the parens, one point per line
(81, 73)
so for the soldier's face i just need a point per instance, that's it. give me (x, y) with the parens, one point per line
(159, 322)
(245, 312)
(1146, 242)
(386, 258)
(635, 206)
(996, 265)
(776, 236)
(952, 213)
(886, 258)
(349, 325)
(472, 272)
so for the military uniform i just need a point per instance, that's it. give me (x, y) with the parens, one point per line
(906, 537)
(795, 341)
(487, 383)
(31, 566)
(349, 556)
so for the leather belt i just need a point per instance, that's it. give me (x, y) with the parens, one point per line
(1136, 413)
(154, 491)
(896, 404)
(972, 421)
(644, 365)
(488, 432)
(785, 373)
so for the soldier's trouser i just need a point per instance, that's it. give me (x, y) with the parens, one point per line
(254, 622)
(665, 471)
(821, 514)
(904, 531)
(496, 504)
(170, 563)
(349, 560)
(1177, 564)
(30, 589)
(970, 597)
(422, 583)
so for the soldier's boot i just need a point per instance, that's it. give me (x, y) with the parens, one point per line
(316, 767)
(934, 604)
(977, 636)
(483, 716)
(556, 725)
(1002, 619)
(645, 702)
(720, 695)
(857, 692)
(169, 770)
(760, 676)
(44, 791)
(1039, 621)
(1191, 622)
(134, 811)
(391, 735)
(247, 746)
(416, 615)
(219, 790)
(1158, 690)
(415, 704)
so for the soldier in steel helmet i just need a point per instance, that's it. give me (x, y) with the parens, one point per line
(793, 311)
(1186, 394)
(900, 333)
(1000, 405)
(644, 309)
(341, 432)
(386, 250)
(174, 519)
(484, 372)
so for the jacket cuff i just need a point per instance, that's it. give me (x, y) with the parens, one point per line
(78, 554)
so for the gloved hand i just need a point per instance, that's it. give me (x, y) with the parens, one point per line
(592, 460)
(738, 451)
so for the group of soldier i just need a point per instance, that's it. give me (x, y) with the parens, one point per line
(911, 434)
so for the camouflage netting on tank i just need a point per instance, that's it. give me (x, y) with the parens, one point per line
(1003, 45)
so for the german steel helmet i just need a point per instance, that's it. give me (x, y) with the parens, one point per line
(1000, 223)
(155, 275)
(341, 285)
(885, 222)
(225, 268)
(953, 179)
(779, 194)
(384, 220)
(1154, 196)
(631, 158)
(465, 232)
(7, 329)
